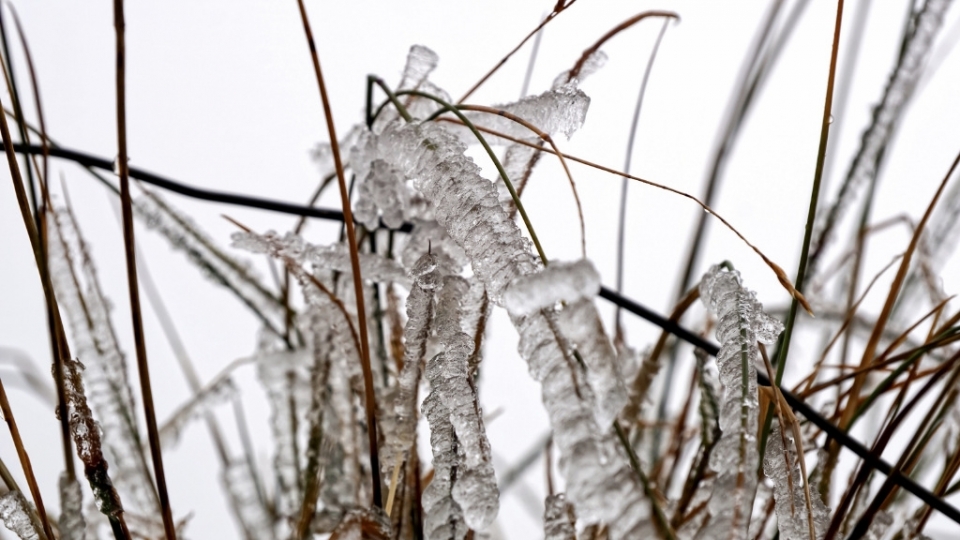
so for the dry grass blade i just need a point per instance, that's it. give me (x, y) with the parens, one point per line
(871, 347)
(590, 51)
(371, 404)
(143, 368)
(557, 9)
(25, 463)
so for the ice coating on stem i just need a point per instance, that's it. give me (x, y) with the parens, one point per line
(285, 378)
(421, 61)
(558, 282)
(879, 526)
(475, 488)
(580, 324)
(219, 392)
(788, 481)
(599, 481)
(887, 113)
(591, 65)
(442, 517)
(71, 524)
(381, 193)
(245, 502)
(559, 110)
(559, 523)
(575, 284)
(105, 387)
(293, 248)
(214, 263)
(741, 323)
(420, 309)
(15, 515)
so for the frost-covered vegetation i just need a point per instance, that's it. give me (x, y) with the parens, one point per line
(373, 338)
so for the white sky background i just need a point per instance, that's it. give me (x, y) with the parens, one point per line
(221, 94)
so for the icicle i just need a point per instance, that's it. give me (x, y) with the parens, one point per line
(475, 488)
(442, 517)
(219, 392)
(245, 501)
(741, 322)
(559, 523)
(420, 308)
(15, 514)
(421, 62)
(71, 524)
(791, 503)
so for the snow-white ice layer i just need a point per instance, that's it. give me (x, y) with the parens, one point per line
(791, 503)
(15, 515)
(475, 488)
(71, 523)
(888, 112)
(599, 482)
(559, 523)
(94, 341)
(741, 323)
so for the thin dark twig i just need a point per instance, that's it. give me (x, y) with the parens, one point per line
(143, 367)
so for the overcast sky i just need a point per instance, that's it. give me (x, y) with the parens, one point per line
(221, 94)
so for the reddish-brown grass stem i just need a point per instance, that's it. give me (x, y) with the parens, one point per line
(143, 368)
(371, 404)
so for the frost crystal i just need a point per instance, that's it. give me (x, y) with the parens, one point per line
(381, 192)
(559, 522)
(71, 524)
(788, 492)
(741, 323)
(15, 514)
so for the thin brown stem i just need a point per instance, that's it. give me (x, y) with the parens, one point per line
(143, 368)
(371, 404)
(24, 461)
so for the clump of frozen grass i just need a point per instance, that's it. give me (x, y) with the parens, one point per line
(463, 257)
